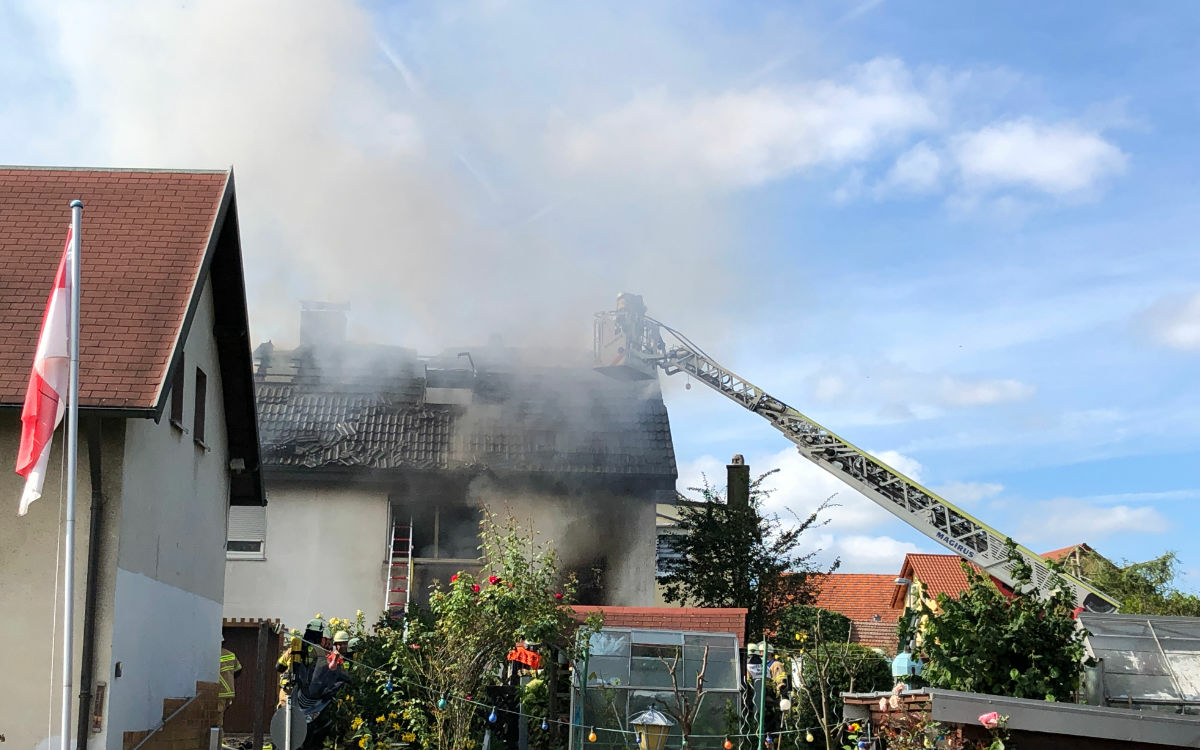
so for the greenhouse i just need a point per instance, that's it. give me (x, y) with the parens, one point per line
(631, 671)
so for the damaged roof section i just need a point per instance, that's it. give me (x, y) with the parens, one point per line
(386, 409)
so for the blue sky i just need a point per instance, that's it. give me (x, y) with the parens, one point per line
(961, 236)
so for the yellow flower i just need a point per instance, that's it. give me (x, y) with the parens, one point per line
(362, 741)
(396, 726)
(380, 719)
(392, 716)
(358, 614)
(319, 617)
(356, 723)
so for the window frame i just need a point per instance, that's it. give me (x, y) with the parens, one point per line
(178, 385)
(200, 408)
(248, 530)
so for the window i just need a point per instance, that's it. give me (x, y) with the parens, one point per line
(247, 535)
(177, 394)
(201, 388)
(667, 551)
(448, 532)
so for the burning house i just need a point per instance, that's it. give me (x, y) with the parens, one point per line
(378, 463)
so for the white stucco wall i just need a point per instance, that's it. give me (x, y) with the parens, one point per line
(326, 547)
(171, 553)
(30, 607)
(325, 553)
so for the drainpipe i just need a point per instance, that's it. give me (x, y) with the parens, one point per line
(87, 657)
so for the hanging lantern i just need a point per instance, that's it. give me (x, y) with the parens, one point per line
(544, 726)
(808, 737)
(728, 744)
(441, 702)
(592, 735)
(785, 705)
(652, 728)
(492, 715)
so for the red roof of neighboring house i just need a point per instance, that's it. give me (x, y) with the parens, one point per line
(938, 574)
(859, 596)
(880, 635)
(1058, 555)
(145, 236)
(701, 619)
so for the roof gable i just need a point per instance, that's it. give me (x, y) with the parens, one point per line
(145, 238)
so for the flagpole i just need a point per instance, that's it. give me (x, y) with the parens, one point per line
(72, 443)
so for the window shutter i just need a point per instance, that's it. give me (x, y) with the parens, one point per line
(247, 535)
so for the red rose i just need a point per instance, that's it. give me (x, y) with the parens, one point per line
(454, 578)
(558, 597)
(493, 580)
(475, 588)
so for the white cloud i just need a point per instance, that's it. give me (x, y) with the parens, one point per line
(738, 138)
(918, 170)
(1058, 159)
(800, 487)
(968, 493)
(1175, 323)
(901, 394)
(958, 392)
(871, 554)
(1069, 520)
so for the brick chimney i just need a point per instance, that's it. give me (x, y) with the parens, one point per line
(737, 484)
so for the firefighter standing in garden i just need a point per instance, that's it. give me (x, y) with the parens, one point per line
(230, 669)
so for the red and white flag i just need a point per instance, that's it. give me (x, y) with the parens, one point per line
(46, 396)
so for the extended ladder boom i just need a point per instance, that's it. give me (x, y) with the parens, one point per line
(631, 345)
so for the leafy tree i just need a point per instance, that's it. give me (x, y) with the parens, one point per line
(830, 666)
(983, 642)
(1146, 588)
(732, 555)
(456, 649)
(798, 621)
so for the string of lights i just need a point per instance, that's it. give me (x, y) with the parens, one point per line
(493, 715)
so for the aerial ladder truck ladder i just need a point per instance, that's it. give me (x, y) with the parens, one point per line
(631, 345)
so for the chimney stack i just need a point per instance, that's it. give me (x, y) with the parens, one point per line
(322, 324)
(737, 486)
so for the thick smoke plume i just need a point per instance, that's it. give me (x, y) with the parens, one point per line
(400, 163)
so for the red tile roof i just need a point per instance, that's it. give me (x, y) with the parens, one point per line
(880, 635)
(859, 596)
(701, 619)
(940, 574)
(145, 235)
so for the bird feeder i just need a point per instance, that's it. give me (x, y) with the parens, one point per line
(652, 727)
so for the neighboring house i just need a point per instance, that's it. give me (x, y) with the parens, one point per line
(928, 575)
(865, 598)
(361, 441)
(666, 529)
(1079, 560)
(168, 443)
